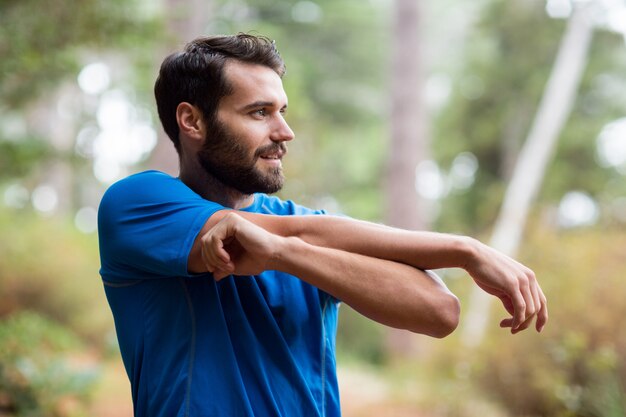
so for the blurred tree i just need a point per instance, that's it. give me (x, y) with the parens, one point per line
(39, 372)
(409, 143)
(552, 113)
(43, 46)
(578, 366)
(40, 46)
(508, 58)
(575, 368)
(17, 158)
(52, 269)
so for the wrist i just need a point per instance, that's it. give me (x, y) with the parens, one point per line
(284, 247)
(468, 249)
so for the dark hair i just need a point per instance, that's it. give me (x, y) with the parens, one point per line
(196, 75)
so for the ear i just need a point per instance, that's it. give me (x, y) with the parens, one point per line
(190, 121)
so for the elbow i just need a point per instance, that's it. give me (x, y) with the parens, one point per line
(444, 317)
(449, 317)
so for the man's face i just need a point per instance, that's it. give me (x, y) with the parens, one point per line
(245, 147)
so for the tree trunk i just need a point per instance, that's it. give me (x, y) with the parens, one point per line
(409, 144)
(554, 109)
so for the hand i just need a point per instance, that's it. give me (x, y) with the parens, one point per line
(513, 283)
(236, 246)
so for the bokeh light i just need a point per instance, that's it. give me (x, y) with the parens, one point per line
(94, 78)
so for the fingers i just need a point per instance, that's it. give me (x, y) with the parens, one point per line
(236, 246)
(539, 302)
(509, 323)
(526, 285)
(528, 303)
(506, 322)
(515, 285)
(214, 255)
(519, 308)
(523, 326)
(542, 315)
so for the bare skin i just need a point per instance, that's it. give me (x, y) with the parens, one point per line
(377, 270)
(391, 293)
(513, 283)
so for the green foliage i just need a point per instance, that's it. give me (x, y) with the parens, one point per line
(49, 267)
(38, 374)
(495, 96)
(18, 158)
(576, 368)
(360, 339)
(42, 45)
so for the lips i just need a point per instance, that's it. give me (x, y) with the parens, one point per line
(274, 156)
(272, 152)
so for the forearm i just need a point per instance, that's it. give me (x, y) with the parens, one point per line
(390, 293)
(424, 250)
(513, 283)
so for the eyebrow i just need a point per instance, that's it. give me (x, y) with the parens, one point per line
(257, 104)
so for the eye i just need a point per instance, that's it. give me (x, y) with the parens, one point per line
(259, 113)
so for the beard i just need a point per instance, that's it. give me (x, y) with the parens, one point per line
(224, 158)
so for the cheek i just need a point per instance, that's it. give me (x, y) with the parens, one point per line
(251, 138)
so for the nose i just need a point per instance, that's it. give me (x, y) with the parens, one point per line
(281, 131)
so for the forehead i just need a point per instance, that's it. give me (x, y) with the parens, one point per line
(253, 83)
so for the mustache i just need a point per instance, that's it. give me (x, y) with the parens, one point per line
(271, 148)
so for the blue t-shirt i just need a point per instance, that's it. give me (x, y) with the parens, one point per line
(259, 345)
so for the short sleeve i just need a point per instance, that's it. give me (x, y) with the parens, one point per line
(147, 224)
(265, 204)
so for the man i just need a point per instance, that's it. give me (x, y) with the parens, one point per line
(224, 298)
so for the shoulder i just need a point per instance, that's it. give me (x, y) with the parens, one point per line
(148, 189)
(142, 184)
(266, 204)
(151, 196)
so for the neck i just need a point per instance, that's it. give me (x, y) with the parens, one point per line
(210, 188)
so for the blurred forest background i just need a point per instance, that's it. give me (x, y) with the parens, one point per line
(501, 119)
